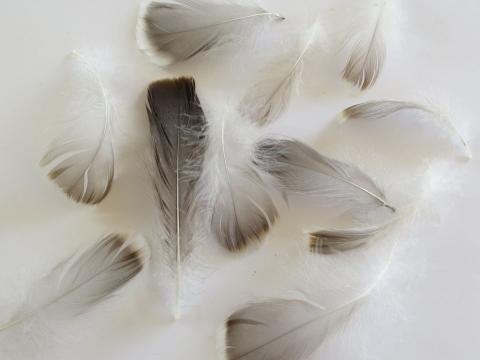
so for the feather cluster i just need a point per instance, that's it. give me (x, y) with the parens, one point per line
(224, 175)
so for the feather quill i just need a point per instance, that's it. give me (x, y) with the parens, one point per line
(175, 31)
(242, 208)
(367, 57)
(81, 160)
(387, 109)
(76, 285)
(177, 126)
(301, 170)
(269, 98)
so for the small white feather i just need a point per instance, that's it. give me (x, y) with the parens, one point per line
(81, 159)
(368, 48)
(266, 100)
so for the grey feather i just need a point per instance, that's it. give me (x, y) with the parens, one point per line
(333, 241)
(176, 31)
(177, 126)
(81, 159)
(385, 109)
(243, 210)
(279, 330)
(76, 285)
(367, 57)
(301, 170)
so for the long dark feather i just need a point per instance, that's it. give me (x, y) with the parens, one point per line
(177, 125)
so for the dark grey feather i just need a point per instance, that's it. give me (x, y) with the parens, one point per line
(175, 31)
(177, 126)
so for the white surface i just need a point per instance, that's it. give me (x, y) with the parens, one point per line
(427, 306)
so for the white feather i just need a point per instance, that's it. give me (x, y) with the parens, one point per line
(266, 100)
(81, 159)
(240, 206)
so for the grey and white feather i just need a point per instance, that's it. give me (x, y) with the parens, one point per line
(243, 210)
(178, 134)
(301, 170)
(81, 159)
(279, 329)
(174, 31)
(331, 241)
(368, 53)
(76, 285)
(388, 109)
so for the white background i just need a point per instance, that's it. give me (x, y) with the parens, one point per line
(427, 305)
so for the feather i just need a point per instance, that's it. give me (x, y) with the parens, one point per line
(177, 126)
(175, 31)
(280, 329)
(367, 57)
(301, 170)
(387, 109)
(76, 285)
(333, 241)
(81, 159)
(242, 210)
(268, 98)
(287, 329)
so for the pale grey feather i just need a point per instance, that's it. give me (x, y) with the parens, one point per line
(337, 240)
(383, 109)
(378, 110)
(301, 170)
(367, 57)
(178, 133)
(279, 330)
(75, 285)
(81, 159)
(175, 31)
